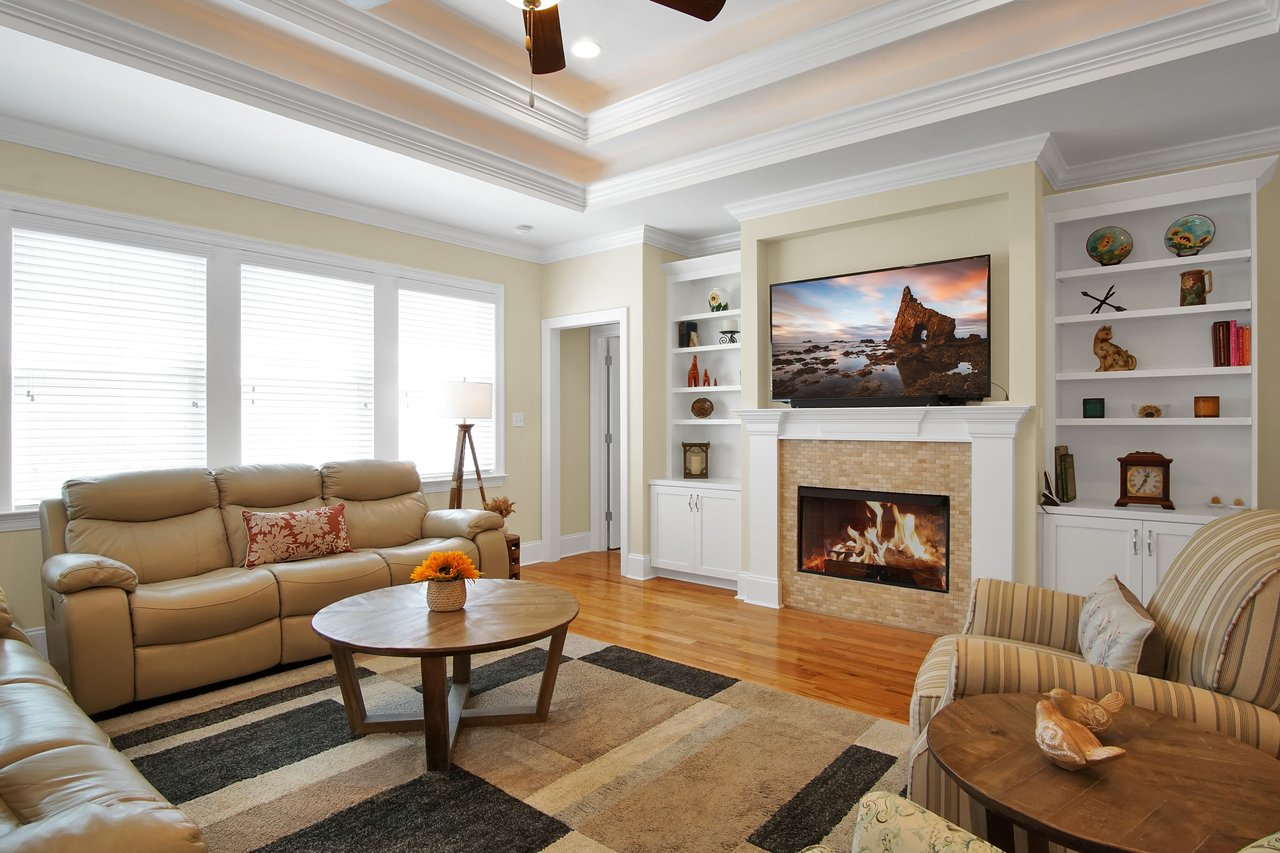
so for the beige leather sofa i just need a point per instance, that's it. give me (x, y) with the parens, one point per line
(63, 787)
(146, 590)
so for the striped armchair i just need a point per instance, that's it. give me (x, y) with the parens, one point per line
(1218, 607)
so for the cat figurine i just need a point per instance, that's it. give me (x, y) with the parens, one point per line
(1111, 356)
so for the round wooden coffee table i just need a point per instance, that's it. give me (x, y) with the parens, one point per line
(395, 622)
(1179, 787)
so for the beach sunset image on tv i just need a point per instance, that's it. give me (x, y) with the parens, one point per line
(913, 332)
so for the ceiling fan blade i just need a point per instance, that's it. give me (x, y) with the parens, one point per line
(704, 9)
(543, 40)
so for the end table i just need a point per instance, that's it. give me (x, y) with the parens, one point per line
(513, 551)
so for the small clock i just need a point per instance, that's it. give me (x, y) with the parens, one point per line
(1144, 479)
(695, 459)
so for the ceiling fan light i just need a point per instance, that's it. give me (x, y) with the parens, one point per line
(543, 4)
(585, 49)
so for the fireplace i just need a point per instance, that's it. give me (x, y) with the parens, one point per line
(880, 537)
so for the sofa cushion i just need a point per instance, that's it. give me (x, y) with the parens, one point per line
(40, 717)
(309, 585)
(212, 604)
(279, 537)
(368, 479)
(1116, 631)
(89, 797)
(262, 488)
(403, 559)
(159, 550)
(22, 664)
(140, 495)
(386, 522)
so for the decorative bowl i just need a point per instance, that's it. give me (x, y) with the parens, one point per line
(1151, 410)
(1189, 235)
(702, 407)
(1109, 245)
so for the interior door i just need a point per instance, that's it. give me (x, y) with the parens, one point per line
(612, 455)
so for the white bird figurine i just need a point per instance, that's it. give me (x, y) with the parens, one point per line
(1067, 743)
(1094, 715)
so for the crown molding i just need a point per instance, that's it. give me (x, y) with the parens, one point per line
(1202, 29)
(645, 235)
(876, 27)
(210, 177)
(1026, 150)
(444, 72)
(89, 30)
(1052, 164)
(1169, 159)
(715, 245)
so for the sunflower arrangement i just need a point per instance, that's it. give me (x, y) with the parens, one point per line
(446, 566)
(503, 506)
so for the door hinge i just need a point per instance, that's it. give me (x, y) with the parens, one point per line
(608, 361)
(608, 438)
(608, 515)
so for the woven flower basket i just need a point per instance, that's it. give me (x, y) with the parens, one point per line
(443, 596)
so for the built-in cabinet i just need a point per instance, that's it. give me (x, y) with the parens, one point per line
(697, 530)
(695, 524)
(1091, 538)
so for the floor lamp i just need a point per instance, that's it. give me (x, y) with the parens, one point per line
(466, 400)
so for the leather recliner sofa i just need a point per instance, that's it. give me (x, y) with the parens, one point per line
(146, 590)
(63, 786)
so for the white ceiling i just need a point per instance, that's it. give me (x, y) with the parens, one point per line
(415, 115)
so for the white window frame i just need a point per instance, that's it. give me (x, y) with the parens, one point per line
(224, 253)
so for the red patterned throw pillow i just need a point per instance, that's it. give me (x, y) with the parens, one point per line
(278, 537)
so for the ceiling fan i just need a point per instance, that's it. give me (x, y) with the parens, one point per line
(542, 37)
(545, 45)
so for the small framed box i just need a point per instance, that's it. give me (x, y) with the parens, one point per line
(695, 459)
(1095, 407)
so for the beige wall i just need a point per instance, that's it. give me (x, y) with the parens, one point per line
(575, 431)
(43, 174)
(996, 213)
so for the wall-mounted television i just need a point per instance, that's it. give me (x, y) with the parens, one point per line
(912, 335)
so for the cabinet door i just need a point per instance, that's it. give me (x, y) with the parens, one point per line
(1161, 542)
(673, 537)
(1081, 552)
(719, 517)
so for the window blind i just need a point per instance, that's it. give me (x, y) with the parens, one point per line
(442, 339)
(108, 361)
(306, 367)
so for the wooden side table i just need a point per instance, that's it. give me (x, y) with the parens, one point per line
(513, 551)
(1180, 787)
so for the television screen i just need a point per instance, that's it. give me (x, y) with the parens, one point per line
(914, 334)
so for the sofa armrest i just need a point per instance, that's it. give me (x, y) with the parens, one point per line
(889, 822)
(987, 665)
(1031, 614)
(67, 573)
(467, 523)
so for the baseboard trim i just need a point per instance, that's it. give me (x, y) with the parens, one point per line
(575, 543)
(638, 568)
(532, 552)
(37, 638)
(705, 580)
(765, 592)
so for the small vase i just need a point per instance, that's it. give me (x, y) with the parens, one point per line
(443, 596)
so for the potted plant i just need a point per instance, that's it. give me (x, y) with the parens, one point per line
(502, 505)
(446, 573)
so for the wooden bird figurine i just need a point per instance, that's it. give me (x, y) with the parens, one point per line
(1096, 716)
(1067, 743)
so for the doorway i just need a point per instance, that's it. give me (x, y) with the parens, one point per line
(606, 422)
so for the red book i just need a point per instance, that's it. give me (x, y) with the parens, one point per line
(1246, 345)
(1233, 342)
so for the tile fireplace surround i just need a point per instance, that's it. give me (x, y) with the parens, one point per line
(965, 452)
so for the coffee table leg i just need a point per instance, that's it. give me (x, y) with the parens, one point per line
(999, 831)
(435, 713)
(549, 674)
(352, 698)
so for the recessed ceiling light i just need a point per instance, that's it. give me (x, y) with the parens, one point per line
(523, 229)
(585, 49)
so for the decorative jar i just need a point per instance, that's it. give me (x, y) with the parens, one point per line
(444, 596)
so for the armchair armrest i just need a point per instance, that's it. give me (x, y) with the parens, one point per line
(988, 665)
(75, 572)
(1030, 614)
(467, 523)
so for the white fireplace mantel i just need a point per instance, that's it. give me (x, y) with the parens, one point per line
(990, 429)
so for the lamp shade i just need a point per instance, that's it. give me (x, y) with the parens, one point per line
(466, 400)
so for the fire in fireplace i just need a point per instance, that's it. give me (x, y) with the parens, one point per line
(880, 537)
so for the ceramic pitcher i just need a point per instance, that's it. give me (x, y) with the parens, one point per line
(1195, 284)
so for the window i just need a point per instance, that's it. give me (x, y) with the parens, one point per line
(443, 337)
(306, 367)
(108, 345)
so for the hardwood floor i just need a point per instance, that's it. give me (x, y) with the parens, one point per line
(858, 665)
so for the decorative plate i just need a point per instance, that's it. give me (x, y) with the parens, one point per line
(1109, 245)
(1189, 235)
(702, 407)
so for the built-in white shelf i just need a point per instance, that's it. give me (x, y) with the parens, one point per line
(706, 348)
(1190, 262)
(1107, 507)
(1148, 313)
(710, 315)
(1159, 373)
(706, 422)
(702, 389)
(1147, 423)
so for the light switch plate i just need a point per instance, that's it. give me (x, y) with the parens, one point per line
(517, 419)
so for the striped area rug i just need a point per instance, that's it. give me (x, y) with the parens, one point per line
(640, 754)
